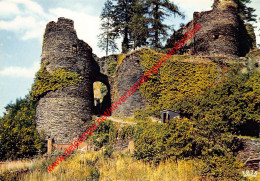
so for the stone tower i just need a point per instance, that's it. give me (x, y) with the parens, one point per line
(223, 33)
(63, 113)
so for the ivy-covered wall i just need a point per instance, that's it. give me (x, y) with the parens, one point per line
(179, 78)
(46, 82)
(64, 84)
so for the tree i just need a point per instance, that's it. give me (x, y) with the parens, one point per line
(107, 38)
(122, 14)
(245, 12)
(139, 24)
(18, 135)
(158, 11)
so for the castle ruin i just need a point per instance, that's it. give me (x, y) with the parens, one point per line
(223, 32)
(63, 113)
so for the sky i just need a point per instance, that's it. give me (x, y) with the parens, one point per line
(22, 24)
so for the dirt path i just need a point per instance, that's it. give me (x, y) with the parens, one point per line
(120, 120)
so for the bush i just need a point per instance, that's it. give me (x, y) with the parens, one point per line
(126, 132)
(9, 176)
(105, 134)
(185, 139)
(108, 150)
(233, 106)
(156, 142)
(220, 167)
(94, 174)
(18, 135)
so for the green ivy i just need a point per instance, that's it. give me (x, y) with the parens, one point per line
(179, 78)
(46, 81)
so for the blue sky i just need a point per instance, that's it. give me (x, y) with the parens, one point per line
(22, 24)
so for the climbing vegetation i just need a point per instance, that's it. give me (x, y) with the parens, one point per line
(233, 106)
(45, 81)
(177, 79)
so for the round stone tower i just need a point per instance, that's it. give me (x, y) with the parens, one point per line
(63, 113)
(223, 32)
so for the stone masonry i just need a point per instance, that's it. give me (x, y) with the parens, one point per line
(223, 33)
(64, 113)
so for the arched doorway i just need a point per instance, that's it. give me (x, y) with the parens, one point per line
(102, 99)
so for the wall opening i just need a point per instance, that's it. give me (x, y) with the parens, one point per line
(74, 48)
(101, 97)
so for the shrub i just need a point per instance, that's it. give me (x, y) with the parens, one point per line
(9, 176)
(156, 142)
(108, 150)
(220, 167)
(185, 139)
(233, 106)
(18, 135)
(105, 133)
(126, 132)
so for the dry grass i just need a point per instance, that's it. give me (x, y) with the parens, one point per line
(16, 165)
(119, 167)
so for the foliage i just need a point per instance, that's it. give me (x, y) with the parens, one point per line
(156, 142)
(105, 134)
(122, 13)
(111, 67)
(222, 167)
(177, 79)
(18, 135)
(107, 37)
(108, 150)
(184, 139)
(46, 81)
(9, 176)
(139, 26)
(251, 33)
(120, 59)
(138, 22)
(159, 10)
(233, 106)
(246, 12)
(126, 132)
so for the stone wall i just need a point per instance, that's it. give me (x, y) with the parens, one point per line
(249, 153)
(103, 62)
(64, 113)
(223, 33)
(128, 73)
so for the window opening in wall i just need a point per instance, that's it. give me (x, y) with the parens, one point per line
(74, 48)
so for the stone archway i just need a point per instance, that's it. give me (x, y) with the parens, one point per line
(100, 107)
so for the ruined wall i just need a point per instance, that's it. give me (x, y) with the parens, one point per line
(103, 62)
(128, 73)
(223, 32)
(63, 113)
(249, 153)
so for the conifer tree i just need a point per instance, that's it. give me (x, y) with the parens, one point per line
(139, 24)
(108, 36)
(158, 11)
(122, 14)
(245, 12)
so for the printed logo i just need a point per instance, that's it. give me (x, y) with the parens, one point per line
(249, 173)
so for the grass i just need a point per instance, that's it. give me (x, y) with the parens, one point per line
(16, 165)
(249, 137)
(91, 165)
